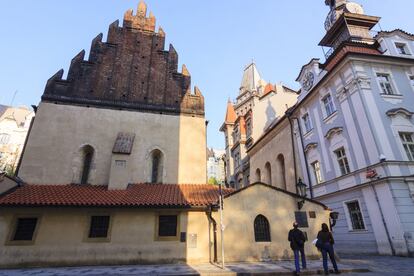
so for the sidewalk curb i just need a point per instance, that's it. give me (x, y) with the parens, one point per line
(270, 273)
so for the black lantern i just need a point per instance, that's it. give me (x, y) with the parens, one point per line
(301, 189)
(333, 218)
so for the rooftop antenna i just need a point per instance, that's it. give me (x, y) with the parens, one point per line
(14, 96)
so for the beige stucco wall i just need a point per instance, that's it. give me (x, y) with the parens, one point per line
(270, 107)
(279, 208)
(53, 151)
(61, 238)
(277, 141)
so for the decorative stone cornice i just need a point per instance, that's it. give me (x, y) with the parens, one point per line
(333, 131)
(311, 146)
(395, 111)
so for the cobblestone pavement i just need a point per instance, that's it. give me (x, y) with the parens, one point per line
(381, 265)
(378, 265)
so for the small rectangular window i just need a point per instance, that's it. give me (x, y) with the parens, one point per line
(402, 48)
(342, 161)
(355, 215)
(408, 143)
(167, 226)
(307, 122)
(99, 227)
(384, 81)
(317, 171)
(412, 81)
(328, 104)
(25, 228)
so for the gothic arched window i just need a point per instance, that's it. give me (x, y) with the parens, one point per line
(261, 229)
(281, 171)
(258, 176)
(87, 152)
(156, 166)
(268, 170)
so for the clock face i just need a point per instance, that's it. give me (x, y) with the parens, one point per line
(354, 8)
(308, 80)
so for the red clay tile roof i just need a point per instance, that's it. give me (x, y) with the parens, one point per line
(230, 113)
(136, 195)
(268, 89)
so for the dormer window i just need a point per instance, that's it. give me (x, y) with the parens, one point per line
(384, 81)
(402, 48)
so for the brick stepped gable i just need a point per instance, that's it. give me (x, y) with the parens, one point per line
(129, 71)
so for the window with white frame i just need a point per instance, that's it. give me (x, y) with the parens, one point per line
(384, 81)
(316, 167)
(342, 161)
(329, 105)
(307, 122)
(355, 215)
(402, 48)
(408, 144)
(4, 138)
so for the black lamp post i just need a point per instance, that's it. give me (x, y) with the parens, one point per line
(301, 190)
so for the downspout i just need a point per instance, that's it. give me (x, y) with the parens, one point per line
(16, 172)
(305, 157)
(206, 122)
(213, 221)
(383, 220)
(293, 147)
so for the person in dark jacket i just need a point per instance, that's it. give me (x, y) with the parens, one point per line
(325, 243)
(297, 243)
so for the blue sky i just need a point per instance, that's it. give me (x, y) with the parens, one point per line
(214, 38)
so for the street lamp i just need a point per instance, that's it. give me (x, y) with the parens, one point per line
(301, 190)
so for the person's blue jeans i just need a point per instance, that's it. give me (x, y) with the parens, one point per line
(302, 255)
(327, 249)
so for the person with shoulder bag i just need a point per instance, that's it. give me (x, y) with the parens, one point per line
(325, 244)
(297, 244)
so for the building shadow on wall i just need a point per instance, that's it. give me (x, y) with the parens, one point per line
(270, 115)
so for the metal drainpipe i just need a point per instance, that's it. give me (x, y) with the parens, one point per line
(304, 155)
(293, 148)
(206, 122)
(210, 217)
(383, 220)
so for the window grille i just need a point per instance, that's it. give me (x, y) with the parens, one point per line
(25, 229)
(167, 226)
(99, 227)
(261, 229)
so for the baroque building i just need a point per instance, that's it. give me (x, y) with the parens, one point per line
(114, 169)
(352, 132)
(357, 132)
(14, 126)
(258, 104)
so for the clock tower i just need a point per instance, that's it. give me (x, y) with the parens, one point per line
(346, 21)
